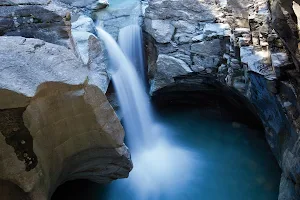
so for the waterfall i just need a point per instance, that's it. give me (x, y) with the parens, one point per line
(159, 166)
(130, 92)
(130, 41)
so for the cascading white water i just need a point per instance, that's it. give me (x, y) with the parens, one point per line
(159, 166)
(130, 41)
(132, 97)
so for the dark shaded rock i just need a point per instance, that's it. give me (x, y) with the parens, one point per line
(35, 22)
(17, 135)
(10, 191)
(207, 47)
(284, 21)
(206, 92)
(277, 126)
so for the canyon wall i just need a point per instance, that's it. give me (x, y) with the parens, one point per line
(56, 123)
(247, 47)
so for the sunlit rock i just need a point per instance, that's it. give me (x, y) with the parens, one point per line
(161, 30)
(85, 24)
(216, 29)
(190, 10)
(82, 29)
(257, 61)
(81, 40)
(91, 52)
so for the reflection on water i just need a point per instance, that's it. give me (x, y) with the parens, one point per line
(209, 160)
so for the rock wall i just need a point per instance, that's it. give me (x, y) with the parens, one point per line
(55, 121)
(250, 47)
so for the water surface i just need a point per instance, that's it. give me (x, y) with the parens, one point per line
(214, 160)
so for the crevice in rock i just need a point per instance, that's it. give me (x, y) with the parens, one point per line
(18, 136)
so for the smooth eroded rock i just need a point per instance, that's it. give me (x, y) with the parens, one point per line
(55, 122)
(27, 62)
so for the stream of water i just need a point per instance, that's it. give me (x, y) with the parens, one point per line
(130, 41)
(153, 156)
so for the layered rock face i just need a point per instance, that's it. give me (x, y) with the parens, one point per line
(248, 47)
(55, 121)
